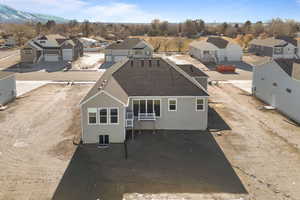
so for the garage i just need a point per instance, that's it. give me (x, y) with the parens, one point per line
(67, 54)
(51, 58)
(119, 58)
(51, 55)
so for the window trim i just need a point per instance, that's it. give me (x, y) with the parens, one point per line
(172, 99)
(118, 116)
(107, 115)
(146, 99)
(196, 104)
(92, 110)
(104, 140)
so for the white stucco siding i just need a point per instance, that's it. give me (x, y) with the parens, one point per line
(7, 89)
(264, 78)
(90, 133)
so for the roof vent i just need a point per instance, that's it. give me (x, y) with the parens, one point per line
(142, 63)
(158, 63)
(131, 63)
(150, 63)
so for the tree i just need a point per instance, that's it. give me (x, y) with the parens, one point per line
(86, 29)
(179, 43)
(50, 24)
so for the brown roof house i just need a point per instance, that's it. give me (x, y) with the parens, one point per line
(144, 94)
(216, 49)
(277, 82)
(51, 48)
(8, 90)
(275, 47)
(129, 48)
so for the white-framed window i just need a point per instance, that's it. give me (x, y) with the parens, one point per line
(92, 116)
(278, 50)
(200, 104)
(172, 104)
(114, 115)
(103, 140)
(146, 106)
(103, 116)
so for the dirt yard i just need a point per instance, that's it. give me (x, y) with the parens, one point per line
(89, 61)
(262, 146)
(36, 141)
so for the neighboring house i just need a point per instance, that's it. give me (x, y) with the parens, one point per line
(279, 47)
(216, 49)
(7, 87)
(9, 40)
(51, 48)
(142, 94)
(129, 48)
(277, 83)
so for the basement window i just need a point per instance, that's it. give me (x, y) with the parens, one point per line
(92, 116)
(103, 140)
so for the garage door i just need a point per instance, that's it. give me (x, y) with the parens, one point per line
(51, 57)
(67, 54)
(119, 58)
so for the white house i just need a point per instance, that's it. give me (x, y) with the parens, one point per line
(216, 49)
(7, 87)
(277, 83)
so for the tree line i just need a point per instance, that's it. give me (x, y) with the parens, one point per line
(189, 29)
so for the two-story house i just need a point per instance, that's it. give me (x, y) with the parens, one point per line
(144, 94)
(129, 48)
(51, 48)
(275, 47)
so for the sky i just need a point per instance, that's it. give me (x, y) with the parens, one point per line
(144, 11)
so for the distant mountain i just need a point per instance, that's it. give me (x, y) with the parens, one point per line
(10, 15)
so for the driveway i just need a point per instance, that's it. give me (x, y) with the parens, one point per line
(171, 163)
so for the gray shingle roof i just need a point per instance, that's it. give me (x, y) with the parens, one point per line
(218, 42)
(192, 70)
(269, 42)
(155, 77)
(148, 77)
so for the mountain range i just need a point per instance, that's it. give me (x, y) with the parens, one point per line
(11, 15)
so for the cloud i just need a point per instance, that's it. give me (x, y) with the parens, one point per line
(118, 12)
(105, 11)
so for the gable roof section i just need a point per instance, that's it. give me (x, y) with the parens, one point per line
(287, 65)
(192, 70)
(106, 84)
(129, 43)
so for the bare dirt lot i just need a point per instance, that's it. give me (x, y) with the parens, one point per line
(243, 69)
(9, 58)
(262, 146)
(36, 141)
